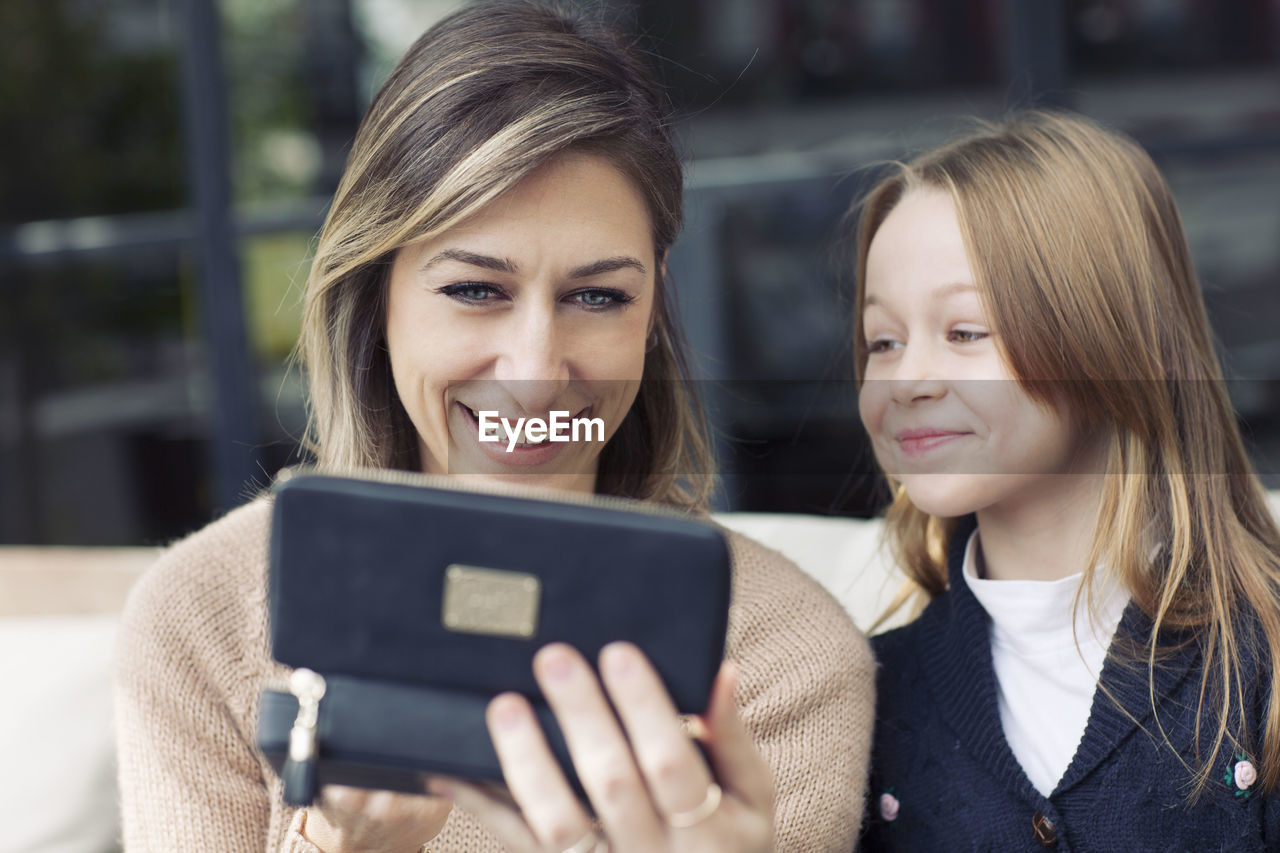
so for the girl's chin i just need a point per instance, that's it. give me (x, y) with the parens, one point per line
(941, 495)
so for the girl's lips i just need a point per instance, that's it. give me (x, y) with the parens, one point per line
(914, 442)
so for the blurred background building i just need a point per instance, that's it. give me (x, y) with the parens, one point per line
(166, 164)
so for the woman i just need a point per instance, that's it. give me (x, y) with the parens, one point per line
(497, 244)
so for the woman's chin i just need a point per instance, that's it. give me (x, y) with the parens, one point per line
(558, 467)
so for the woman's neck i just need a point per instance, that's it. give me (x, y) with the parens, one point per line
(1041, 537)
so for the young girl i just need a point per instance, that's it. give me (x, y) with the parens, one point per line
(1093, 670)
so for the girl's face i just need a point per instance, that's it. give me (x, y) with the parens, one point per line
(539, 303)
(945, 414)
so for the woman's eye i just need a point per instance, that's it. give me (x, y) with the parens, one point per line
(965, 336)
(600, 298)
(471, 291)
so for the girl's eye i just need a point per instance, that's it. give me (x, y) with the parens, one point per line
(965, 336)
(598, 298)
(471, 292)
(881, 345)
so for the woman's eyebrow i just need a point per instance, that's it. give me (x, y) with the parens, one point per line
(474, 259)
(607, 265)
(488, 262)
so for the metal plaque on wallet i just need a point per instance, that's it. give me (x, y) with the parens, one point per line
(408, 605)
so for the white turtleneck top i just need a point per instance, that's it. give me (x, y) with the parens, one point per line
(1047, 660)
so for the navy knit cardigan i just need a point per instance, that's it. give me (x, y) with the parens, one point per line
(944, 778)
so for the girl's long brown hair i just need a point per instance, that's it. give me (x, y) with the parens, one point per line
(1080, 258)
(479, 101)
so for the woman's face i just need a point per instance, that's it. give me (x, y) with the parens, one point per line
(541, 303)
(947, 417)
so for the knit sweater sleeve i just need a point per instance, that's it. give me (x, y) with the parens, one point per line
(806, 696)
(189, 666)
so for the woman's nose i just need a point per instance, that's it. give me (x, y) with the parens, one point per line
(533, 364)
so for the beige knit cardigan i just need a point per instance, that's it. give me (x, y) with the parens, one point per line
(193, 656)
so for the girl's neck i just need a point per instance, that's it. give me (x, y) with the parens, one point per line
(1042, 537)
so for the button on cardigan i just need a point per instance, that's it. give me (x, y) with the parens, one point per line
(944, 778)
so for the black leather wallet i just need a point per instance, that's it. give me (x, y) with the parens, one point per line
(406, 607)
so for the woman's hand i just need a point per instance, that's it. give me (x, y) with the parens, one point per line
(355, 820)
(648, 785)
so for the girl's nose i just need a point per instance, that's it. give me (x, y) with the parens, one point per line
(917, 376)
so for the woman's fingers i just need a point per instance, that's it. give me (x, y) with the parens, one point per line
(553, 813)
(677, 776)
(645, 778)
(496, 812)
(601, 753)
(356, 818)
(738, 764)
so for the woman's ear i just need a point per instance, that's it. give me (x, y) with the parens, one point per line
(652, 340)
(659, 288)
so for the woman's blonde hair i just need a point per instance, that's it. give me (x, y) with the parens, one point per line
(478, 102)
(1079, 256)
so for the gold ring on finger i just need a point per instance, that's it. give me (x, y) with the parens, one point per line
(700, 812)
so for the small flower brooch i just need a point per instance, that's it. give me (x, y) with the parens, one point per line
(889, 806)
(1241, 775)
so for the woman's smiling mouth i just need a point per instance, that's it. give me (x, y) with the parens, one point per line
(508, 442)
(474, 415)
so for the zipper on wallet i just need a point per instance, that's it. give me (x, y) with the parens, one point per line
(396, 476)
(299, 771)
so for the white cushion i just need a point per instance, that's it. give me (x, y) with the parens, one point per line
(845, 555)
(57, 750)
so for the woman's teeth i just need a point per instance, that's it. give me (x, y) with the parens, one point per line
(476, 417)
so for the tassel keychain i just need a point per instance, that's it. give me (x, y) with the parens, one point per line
(299, 772)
